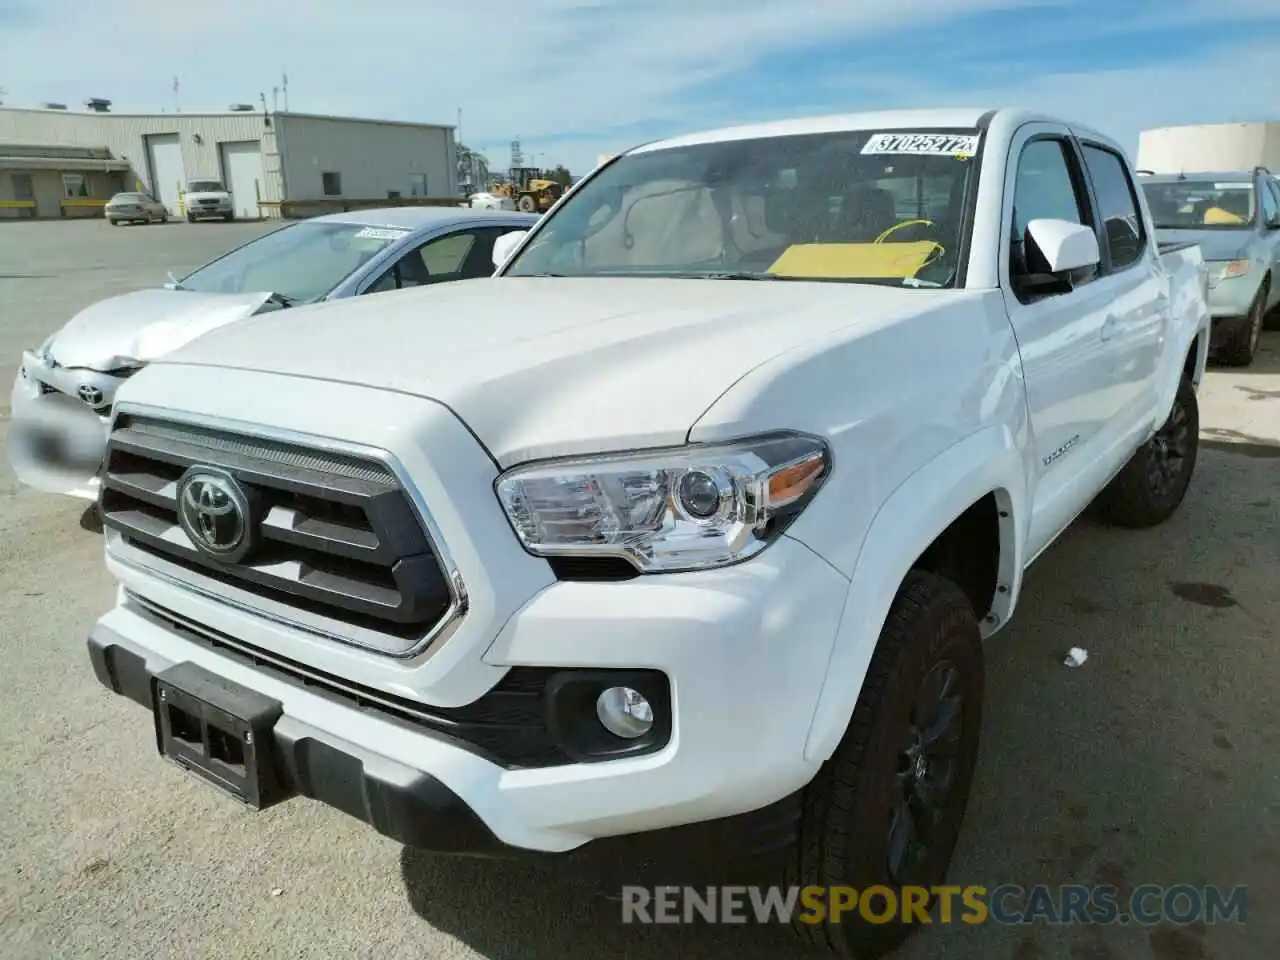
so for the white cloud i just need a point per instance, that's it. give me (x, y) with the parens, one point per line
(591, 68)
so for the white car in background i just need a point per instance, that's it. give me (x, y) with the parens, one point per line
(64, 392)
(484, 200)
(134, 208)
(208, 198)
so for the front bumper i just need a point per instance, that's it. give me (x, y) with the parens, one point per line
(56, 439)
(210, 210)
(744, 649)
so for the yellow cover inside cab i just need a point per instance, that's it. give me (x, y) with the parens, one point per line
(1218, 216)
(855, 260)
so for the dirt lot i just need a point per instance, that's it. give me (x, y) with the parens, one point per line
(1158, 761)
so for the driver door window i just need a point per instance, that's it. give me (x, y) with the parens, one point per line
(1044, 188)
(1270, 204)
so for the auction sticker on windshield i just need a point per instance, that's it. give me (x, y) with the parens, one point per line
(923, 144)
(380, 233)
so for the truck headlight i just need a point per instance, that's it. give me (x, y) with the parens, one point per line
(681, 508)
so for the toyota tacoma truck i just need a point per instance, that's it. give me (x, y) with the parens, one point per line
(702, 516)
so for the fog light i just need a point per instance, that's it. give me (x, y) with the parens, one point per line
(624, 712)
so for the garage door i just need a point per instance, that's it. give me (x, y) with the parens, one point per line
(164, 158)
(242, 171)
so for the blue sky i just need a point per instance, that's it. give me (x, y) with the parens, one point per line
(576, 78)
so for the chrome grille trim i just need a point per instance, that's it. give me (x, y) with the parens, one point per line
(355, 463)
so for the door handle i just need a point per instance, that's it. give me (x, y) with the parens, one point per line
(1109, 326)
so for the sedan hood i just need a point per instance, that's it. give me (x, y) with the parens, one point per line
(542, 367)
(146, 324)
(1214, 244)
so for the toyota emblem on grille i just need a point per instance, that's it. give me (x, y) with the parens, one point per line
(89, 394)
(215, 513)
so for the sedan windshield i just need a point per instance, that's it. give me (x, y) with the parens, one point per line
(302, 262)
(853, 206)
(205, 186)
(1201, 204)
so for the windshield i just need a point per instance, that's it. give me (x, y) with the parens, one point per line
(853, 206)
(1201, 204)
(302, 262)
(205, 186)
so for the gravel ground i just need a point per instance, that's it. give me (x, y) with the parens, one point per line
(1156, 762)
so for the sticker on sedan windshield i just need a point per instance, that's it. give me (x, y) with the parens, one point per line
(923, 144)
(1233, 186)
(380, 233)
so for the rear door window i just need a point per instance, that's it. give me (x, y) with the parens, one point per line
(1117, 205)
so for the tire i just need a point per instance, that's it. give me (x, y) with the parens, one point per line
(114, 222)
(1272, 320)
(931, 632)
(191, 218)
(1240, 349)
(1152, 485)
(229, 217)
(526, 204)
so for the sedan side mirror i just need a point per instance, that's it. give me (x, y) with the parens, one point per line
(505, 245)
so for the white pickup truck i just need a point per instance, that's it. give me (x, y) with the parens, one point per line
(699, 512)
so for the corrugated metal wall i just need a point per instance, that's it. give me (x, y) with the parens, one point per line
(372, 158)
(123, 134)
(1210, 147)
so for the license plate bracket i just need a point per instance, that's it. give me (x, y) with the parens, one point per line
(220, 731)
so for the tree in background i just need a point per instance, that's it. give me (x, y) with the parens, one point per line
(473, 168)
(561, 175)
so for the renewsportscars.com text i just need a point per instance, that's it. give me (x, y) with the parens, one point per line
(1007, 904)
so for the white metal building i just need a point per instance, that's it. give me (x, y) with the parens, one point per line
(55, 162)
(1210, 147)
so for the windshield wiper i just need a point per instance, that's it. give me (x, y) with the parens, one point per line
(917, 282)
(177, 284)
(281, 299)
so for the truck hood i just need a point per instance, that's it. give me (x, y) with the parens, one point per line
(145, 325)
(1214, 244)
(541, 367)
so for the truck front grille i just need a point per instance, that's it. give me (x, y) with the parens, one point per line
(334, 535)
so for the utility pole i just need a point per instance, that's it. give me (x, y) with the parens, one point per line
(177, 102)
(284, 87)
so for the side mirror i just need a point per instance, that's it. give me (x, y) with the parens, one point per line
(505, 245)
(1065, 246)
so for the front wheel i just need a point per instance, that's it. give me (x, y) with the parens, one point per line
(527, 204)
(1154, 482)
(1241, 348)
(885, 810)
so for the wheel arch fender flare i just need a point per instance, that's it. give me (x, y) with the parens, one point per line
(909, 520)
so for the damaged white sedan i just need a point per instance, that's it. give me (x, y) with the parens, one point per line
(64, 391)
